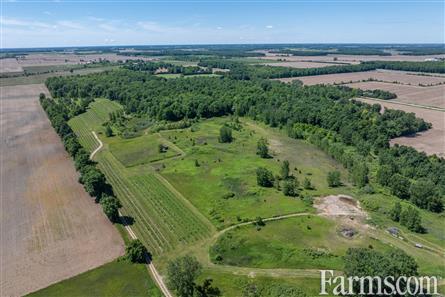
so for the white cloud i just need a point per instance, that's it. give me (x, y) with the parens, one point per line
(152, 26)
(23, 23)
(71, 25)
(96, 19)
(219, 28)
(107, 27)
(269, 27)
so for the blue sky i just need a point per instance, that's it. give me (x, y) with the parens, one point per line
(77, 23)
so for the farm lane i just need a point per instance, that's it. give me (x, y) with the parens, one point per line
(156, 277)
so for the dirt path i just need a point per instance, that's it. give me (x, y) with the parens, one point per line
(98, 148)
(156, 277)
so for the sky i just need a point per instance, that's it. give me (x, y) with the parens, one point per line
(31, 23)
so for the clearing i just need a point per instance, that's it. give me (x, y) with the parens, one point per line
(51, 228)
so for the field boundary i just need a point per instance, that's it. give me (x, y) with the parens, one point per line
(404, 103)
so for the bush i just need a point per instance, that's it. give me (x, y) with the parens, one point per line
(262, 149)
(225, 134)
(290, 188)
(264, 177)
(136, 252)
(333, 179)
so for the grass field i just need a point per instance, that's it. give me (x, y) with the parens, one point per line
(163, 219)
(230, 169)
(140, 150)
(85, 123)
(236, 285)
(118, 278)
(299, 242)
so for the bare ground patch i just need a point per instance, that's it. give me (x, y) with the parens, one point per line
(389, 76)
(431, 141)
(430, 96)
(51, 229)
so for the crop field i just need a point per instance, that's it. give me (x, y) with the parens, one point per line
(163, 219)
(10, 65)
(44, 59)
(428, 96)
(353, 59)
(431, 141)
(51, 228)
(389, 76)
(118, 278)
(40, 78)
(220, 179)
(303, 64)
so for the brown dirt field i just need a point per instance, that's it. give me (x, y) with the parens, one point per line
(381, 75)
(354, 59)
(10, 65)
(50, 228)
(61, 59)
(302, 64)
(431, 141)
(429, 96)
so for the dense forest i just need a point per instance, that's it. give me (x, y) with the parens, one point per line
(348, 130)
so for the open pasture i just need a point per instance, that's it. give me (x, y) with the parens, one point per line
(141, 150)
(389, 76)
(51, 228)
(220, 178)
(431, 141)
(303, 242)
(428, 96)
(118, 278)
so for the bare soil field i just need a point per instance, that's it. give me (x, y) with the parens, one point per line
(302, 64)
(380, 75)
(51, 229)
(429, 96)
(10, 65)
(354, 59)
(431, 141)
(60, 59)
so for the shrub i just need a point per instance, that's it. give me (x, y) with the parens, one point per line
(136, 252)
